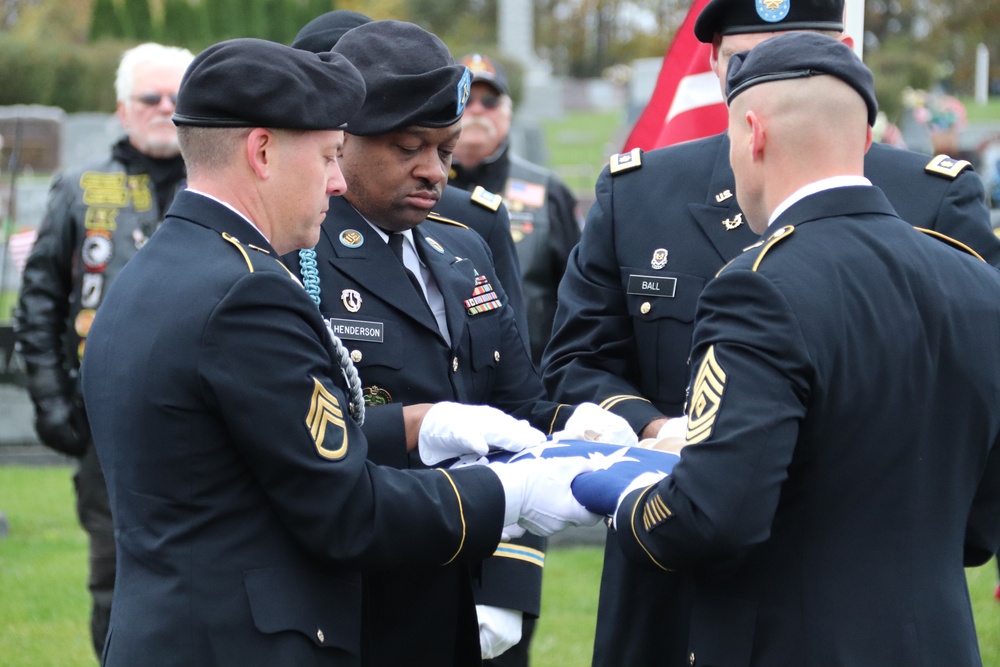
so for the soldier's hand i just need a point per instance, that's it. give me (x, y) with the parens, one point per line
(60, 426)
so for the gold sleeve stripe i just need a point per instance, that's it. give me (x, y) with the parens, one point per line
(324, 410)
(632, 521)
(950, 241)
(461, 515)
(518, 552)
(782, 233)
(615, 400)
(705, 398)
(655, 512)
(239, 247)
(552, 425)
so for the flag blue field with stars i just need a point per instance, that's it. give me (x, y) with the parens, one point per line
(599, 491)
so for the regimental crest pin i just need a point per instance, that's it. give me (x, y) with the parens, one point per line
(434, 244)
(732, 223)
(773, 11)
(659, 258)
(723, 196)
(352, 238)
(351, 300)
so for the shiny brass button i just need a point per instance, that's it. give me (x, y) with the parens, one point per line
(645, 308)
(356, 356)
(320, 636)
(496, 355)
(454, 365)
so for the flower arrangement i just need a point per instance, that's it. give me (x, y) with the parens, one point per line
(937, 111)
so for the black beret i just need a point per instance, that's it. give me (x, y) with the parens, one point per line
(485, 70)
(325, 30)
(730, 17)
(798, 55)
(410, 76)
(256, 83)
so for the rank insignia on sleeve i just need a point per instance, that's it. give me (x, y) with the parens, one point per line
(326, 423)
(483, 298)
(709, 384)
(654, 511)
(622, 162)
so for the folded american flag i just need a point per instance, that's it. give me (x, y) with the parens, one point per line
(599, 491)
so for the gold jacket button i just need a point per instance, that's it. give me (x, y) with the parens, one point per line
(320, 636)
(645, 308)
(691, 658)
(454, 365)
(356, 356)
(496, 355)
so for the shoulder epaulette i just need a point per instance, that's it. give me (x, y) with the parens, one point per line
(436, 217)
(623, 162)
(947, 167)
(767, 244)
(950, 241)
(486, 199)
(248, 257)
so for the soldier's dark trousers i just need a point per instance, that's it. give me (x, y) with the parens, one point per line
(94, 512)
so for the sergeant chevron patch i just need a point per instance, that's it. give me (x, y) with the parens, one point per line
(709, 385)
(654, 511)
(325, 418)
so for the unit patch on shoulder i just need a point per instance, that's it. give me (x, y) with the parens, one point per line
(622, 162)
(947, 167)
(486, 199)
(437, 217)
(709, 385)
(325, 420)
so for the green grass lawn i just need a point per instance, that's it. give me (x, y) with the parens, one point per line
(44, 605)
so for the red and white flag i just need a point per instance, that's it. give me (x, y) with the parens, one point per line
(686, 102)
(19, 246)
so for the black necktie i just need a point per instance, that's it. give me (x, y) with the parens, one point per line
(396, 245)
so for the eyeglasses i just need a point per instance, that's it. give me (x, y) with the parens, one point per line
(152, 99)
(488, 101)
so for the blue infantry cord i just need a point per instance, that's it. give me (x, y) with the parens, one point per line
(310, 280)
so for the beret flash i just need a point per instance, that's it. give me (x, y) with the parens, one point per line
(256, 83)
(730, 17)
(799, 55)
(410, 76)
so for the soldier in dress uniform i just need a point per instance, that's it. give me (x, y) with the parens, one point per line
(544, 215)
(481, 210)
(842, 464)
(97, 217)
(226, 414)
(664, 222)
(418, 303)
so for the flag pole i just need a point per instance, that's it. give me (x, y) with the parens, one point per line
(854, 24)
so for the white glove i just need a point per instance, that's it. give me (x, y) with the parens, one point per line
(538, 494)
(499, 629)
(672, 436)
(595, 424)
(640, 482)
(452, 429)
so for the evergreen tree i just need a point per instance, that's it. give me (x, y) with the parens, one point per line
(137, 20)
(185, 25)
(283, 18)
(105, 22)
(310, 9)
